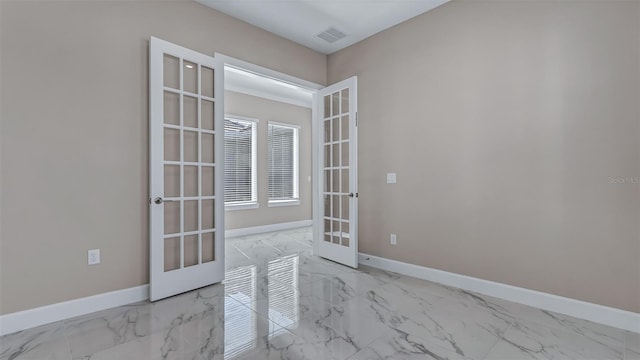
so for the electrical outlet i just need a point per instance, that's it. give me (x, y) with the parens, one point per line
(93, 256)
(393, 239)
(391, 178)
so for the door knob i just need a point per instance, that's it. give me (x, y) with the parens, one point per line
(158, 200)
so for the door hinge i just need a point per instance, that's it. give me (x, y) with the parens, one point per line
(356, 118)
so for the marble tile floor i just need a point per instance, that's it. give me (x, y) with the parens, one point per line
(280, 302)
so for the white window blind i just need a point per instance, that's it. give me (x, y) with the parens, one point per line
(283, 162)
(239, 161)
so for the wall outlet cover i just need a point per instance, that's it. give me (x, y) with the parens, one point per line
(393, 239)
(391, 178)
(93, 257)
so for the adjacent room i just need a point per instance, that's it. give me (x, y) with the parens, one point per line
(311, 179)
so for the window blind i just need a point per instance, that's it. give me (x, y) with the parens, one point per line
(283, 162)
(239, 161)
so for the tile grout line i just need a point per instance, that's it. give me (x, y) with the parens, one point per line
(241, 252)
(500, 338)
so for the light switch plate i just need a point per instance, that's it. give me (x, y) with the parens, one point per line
(391, 178)
(93, 257)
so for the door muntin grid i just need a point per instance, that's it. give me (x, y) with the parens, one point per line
(188, 163)
(337, 194)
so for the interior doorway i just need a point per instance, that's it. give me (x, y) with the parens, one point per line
(245, 82)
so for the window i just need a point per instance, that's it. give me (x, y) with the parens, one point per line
(240, 161)
(283, 164)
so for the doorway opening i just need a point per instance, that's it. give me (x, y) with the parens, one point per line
(268, 167)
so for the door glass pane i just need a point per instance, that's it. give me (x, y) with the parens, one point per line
(335, 104)
(191, 215)
(345, 127)
(190, 112)
(208, 248)
(208, 214)
(335, 181)
(171, 144)
(190, 250)
(335, 129)
(171, 71)
(345, 101)
(327, 226)
(345, 207)
(207, 114)
(327, 181)
(190, 73)
(190, 181)
(171, 181)
(335, 156)
(327, 107)
(344, 179)
(327, 156)
(327, 131)
(171, 108)
(207, 148)
(171, 217)
(171, 254)
(345, 154)
(327, 205)
(207, 81)
(335, 212)
(190, 146)
(207, 181)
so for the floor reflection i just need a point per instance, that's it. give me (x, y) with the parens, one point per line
(272, 296)
(240, 326)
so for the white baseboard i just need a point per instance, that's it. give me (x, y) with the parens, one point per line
(593, 312)
(26, 319)
(267, 228)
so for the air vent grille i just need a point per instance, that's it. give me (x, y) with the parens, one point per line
(331, 35)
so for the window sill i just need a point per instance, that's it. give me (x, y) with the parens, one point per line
(243, 206)
(278, 203)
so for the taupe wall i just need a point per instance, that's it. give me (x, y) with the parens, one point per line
(74, 134)
(507, 124)
(268, 110)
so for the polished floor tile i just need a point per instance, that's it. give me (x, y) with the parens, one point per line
(278, 301)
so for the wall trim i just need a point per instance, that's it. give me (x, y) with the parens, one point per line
(605, 315)
(21, 320)
(267, 228)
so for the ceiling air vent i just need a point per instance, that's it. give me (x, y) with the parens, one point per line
(331, 35)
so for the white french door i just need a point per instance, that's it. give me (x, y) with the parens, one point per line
(338, 165)
(186, 174)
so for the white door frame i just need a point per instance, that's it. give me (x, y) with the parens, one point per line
(315, 127)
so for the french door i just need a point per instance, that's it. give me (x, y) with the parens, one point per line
(186, 174)
(339, 168)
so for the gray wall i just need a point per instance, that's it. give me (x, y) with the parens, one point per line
(268, 110)
(506, 122)
(74, 134)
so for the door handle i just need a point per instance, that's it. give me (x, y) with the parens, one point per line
(160, 200)
(352, 195)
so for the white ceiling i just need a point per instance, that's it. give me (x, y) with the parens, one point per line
(302, 20)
